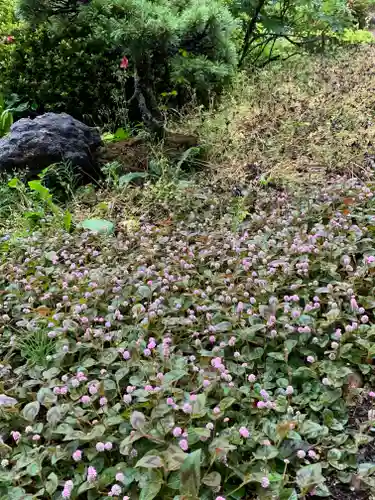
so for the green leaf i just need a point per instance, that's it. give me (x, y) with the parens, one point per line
(138, 420)
(288, 494)
(266, 452)
(191, 475)
(153, 485)
(310, 476)
(16, 493)
(199, 406)
(67, 220)
(174, 457)
(51, 483)
(226, 403)
(174, 481)
(224, 326)
(255, 353)
(14, 183)
(100, 226)
(85, 487)
(173, 376)
(150, 462)
(213, 480)
(54, 415)
(31, 410)
(126, 179)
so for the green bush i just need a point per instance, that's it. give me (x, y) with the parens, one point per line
(73, 64)
(8, 26)
(64, 70)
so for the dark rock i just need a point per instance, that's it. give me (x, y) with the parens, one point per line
(33, 145)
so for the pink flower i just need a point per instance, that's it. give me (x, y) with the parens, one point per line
(115, 490)
(206, 383)
(371, 394)
(170, 402)
(353, 303)
(16, 436)
(120, 477)
(183, 444)
(187, 408)
(244, 432)
(77, 455)
(177, 431)
(261, 404)
(108, 446)
(93, 389)
(10, 39)
(124, 62)
(100, 447)
(126, 355)
(265, 482)
(103, 401)
(91, 474)
(66, 493)
(251, 378)
(85, 400)
(36, 437)
(301, 454)
(310, 359)
(216, 410)
(220, 498)
(289, 390)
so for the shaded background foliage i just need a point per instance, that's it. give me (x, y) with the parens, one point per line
(67, 55)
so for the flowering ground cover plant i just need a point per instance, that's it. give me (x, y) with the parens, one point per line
(194, 358)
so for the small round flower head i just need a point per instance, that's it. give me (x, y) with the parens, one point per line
(108, 446)
(77, 455)
(177, 431)
(265, 482)
(301, 454)
(127, 398)
(85, 400)
(120, 477)
(220, 498)
(312, 454)
(310, 359)
(16, 436)
(91, 474)
(183, 444)
(289, 390)
(100, 446)
(115, 490)
(371, 394)
(244, 432)
(251, 378)
(210, 426)
(103, 401)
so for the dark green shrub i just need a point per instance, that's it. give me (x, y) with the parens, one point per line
(64, 70)
(8, 26)
(72, 62)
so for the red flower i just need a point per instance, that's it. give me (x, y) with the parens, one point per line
(124, 62)
(10, 39)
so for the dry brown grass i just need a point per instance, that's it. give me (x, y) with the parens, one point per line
(303, 119)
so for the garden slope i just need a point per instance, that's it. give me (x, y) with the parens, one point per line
(222, 351)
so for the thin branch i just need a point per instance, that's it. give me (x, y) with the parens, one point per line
(249, 31)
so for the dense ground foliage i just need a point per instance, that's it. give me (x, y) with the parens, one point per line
(206, 357)
(215, 339)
